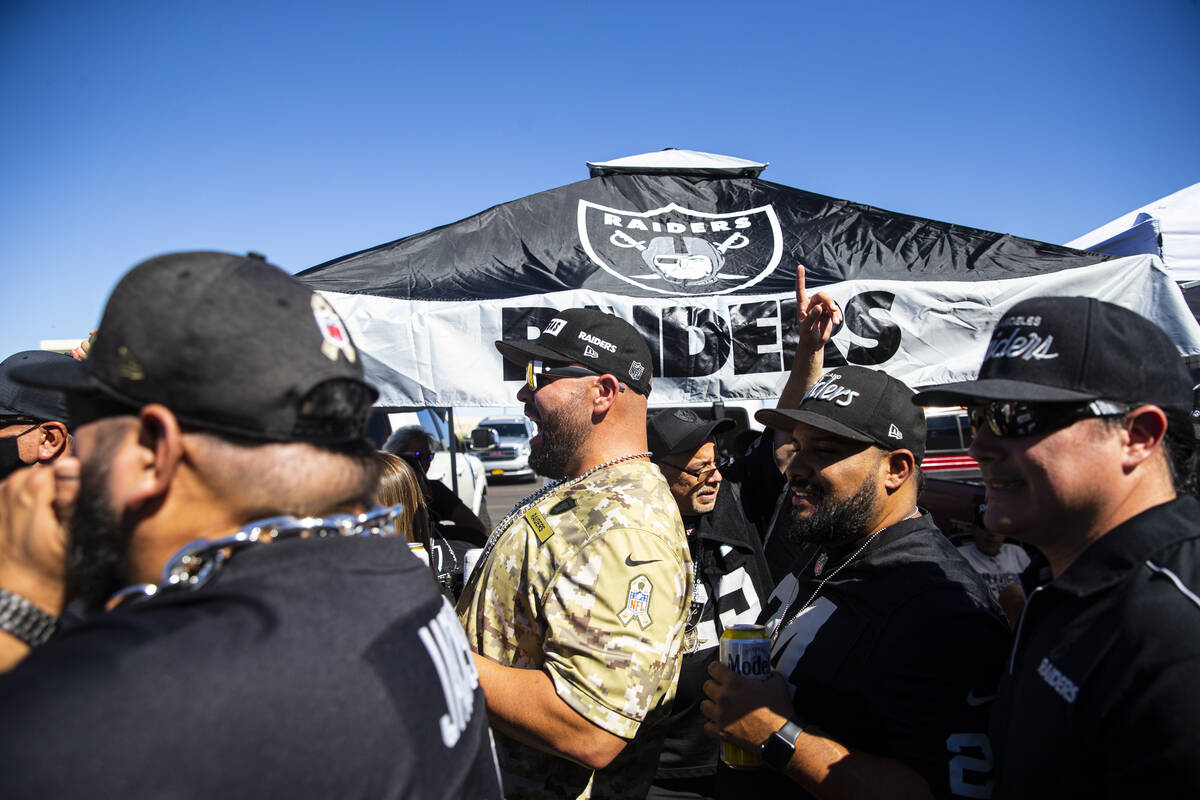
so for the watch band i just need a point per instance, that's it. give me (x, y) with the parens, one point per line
(24, 620)
(778, 748)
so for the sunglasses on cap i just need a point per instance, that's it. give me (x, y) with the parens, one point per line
(1009, 420)
(539, 373)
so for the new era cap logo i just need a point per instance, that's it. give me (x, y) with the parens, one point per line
(894, 432)
(555, 326)
(589, 352)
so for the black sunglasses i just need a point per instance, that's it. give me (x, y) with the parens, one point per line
(1012, 419)
(700, 474)
(539, 373)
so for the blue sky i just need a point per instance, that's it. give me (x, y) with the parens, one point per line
(306, 130)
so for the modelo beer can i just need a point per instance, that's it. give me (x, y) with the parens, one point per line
(470, 560)
(746, 650)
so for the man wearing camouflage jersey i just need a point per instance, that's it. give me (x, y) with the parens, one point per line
(577, 607)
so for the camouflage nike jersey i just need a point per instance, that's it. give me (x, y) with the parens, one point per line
(591, 585)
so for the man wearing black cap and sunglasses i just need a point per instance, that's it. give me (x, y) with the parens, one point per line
(1085, 442)
(33, 422)
(886, 645)
(576, 608)
(273, 639)
(731, 582)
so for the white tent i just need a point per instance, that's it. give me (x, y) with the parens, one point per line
(1169, 228)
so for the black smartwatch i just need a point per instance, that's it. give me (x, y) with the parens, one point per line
(778, 748)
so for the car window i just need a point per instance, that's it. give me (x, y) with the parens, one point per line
(943, 433)
(508, 429)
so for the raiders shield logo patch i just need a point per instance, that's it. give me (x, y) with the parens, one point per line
(678, 251)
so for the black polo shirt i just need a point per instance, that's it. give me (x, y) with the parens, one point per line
(898, 655)
(307, 668)
(1100, 698)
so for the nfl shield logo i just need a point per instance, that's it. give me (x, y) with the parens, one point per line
(675, 250)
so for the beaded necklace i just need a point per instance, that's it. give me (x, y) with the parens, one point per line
(524, 505)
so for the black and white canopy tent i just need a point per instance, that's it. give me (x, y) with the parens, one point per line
(700, 254)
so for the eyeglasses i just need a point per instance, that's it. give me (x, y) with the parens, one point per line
(700, 474)
(539, 373)
(1011, 419)
(6, 421)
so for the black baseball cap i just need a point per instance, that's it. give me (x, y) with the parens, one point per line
(1074, 349)
(228, 343)
(860, 404)
(603, 342)
(19, 400)
(681, 430)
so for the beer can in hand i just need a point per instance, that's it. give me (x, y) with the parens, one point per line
(746, 650)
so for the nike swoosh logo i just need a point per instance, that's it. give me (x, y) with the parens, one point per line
(629, 562)
(972, 700)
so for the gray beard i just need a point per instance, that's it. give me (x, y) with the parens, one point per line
(832, 521)
(560, 440)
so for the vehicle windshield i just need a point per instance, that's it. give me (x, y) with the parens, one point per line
(509, 429)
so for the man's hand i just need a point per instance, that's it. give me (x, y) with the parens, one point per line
(742, 711)
(816, 316)
(80, 351)
(35, 503)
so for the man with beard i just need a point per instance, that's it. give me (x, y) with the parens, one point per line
(886, 645)
(577, 606)
(33, 427)
(277, 641)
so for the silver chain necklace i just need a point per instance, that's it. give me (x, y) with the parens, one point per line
(784, 621)
(195, 564)
(532, 500)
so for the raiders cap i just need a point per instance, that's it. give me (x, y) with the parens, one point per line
(860, 404)
(1074, 349)
(228, 343)
(590, 338)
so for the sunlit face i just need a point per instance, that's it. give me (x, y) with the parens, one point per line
(695, 482)
(562, 412)
(835, 485)
(1045, 486)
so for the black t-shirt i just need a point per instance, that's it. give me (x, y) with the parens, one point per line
(731, 587)
(1101, 698)
(311, 668)
(898, 655)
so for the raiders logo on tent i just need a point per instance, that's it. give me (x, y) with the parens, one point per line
(675, 250)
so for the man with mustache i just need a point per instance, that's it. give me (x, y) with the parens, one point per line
(885, 643)
(1086, 442)
(264, 637)
(577, 606)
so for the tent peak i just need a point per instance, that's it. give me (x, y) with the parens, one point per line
(679, 162)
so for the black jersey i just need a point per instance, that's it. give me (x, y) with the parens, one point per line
(898, 654)
(307, 668)
(1100, 696)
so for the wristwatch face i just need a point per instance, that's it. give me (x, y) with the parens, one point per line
(778, 748)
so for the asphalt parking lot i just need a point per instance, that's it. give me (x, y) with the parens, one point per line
(503, 494)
